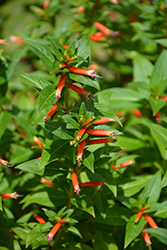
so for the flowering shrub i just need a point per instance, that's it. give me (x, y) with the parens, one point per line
(83, 138)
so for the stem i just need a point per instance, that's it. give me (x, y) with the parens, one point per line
(70, 197)
(149, 247)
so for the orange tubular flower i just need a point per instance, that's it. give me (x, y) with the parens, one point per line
(75, 183)
(60, 86)
(91, 184)
(53, 232)
(38, 141)
(65, 46)
(89, 120)
(104, 29)
(79, 90)
(38, 218)
(11, 195)
(158, 115)
(123, 165)
(103, 120)
(138, 216)
(137, 113)
(81, 9)
(5, 163)
(103, 140)
(2, 41)
(164, 97)
(16, 39)
(146, 238)
(150, 221)
(80, 133)
(46, 4)
(62, 220)
(80, 151)
(50, 113)
(96, 38)
(82, 71)
(44, 180)
(100, 132)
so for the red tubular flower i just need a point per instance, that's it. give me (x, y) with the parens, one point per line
(80, 151)
(38, 141)
(62, 220)
(82, 71)
(104, 29)
(53, 232)
(44, 180)
(137, 113)
(158, 115)
(103, 140)
(5, 163)
(91, 184)
(138, 216)
(50, 113)
(11, 195)
(61, 66)
(46, 4)
(103, 120)
(65, 46)
(2, 41)
(60, 86)
(164, 97)
(16, 39)
(79, 90)
(11, 232)
(100, 132)
(38, 218)
(146, 238)
(150, 221)
(81, 9)
(89, 120)
(96, 38)
(94, 66)
(123, 165)
(75, 183)
(80, 133)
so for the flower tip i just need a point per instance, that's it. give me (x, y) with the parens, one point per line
(46, 118)
(57, 96)
(95, 75)
(77, 190)
(49, 238)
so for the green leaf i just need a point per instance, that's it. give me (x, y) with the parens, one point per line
(158, 233)
(107, 112)
(87, 80)
(104, 241)
(158, 81)
(4, 121)
(115, 216)
(58, 129)
(159, 133)
(142, 69)
(84, 203)
(89, 162)
(84, 49)
(31, 166)
(106, 177)
(164, 181)
(49, 197)
(74, 231)
(43, 51)
(46, 97)
(33, 80)
(161, 212)
(156, 105)
(54, 151)
(133, 185)
(69, 119)
(162, 42)
(133, 229)
(57, 48)
(152, 189)
(129, 143)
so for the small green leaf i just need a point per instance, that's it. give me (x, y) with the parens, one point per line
(33, 80)
(31, 166)
(46, 97)
(104, 241)
(133, 229)
(159, 133)
(84, 203)
(89, 162)
(158, 233)
(87, 80)
(58, 49)
(156, 105)
(74, 231)
(43, 51)
(4, 121)
(158, 81)
(152, 189)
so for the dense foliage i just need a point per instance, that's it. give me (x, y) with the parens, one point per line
(83, 137)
